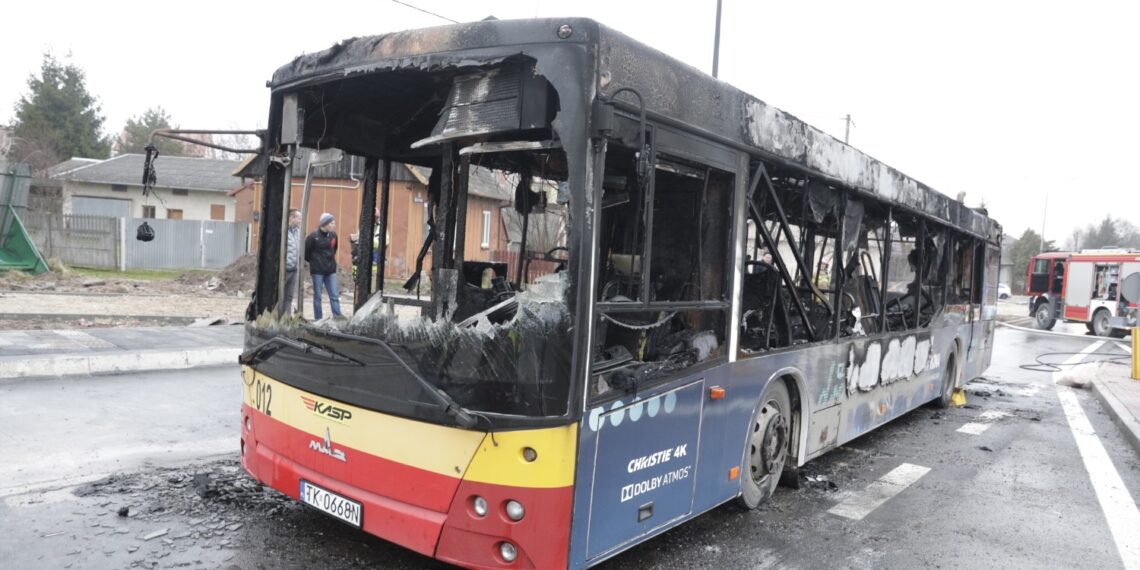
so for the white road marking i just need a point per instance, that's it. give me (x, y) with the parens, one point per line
(987, 419)
(858, 506)
(1125, 346)
(1119, 509)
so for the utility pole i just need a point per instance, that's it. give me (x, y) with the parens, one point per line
(716, 41)
(847, 129)
(1044, 211)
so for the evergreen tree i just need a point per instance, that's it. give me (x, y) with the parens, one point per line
(58, 119)
(137, 131)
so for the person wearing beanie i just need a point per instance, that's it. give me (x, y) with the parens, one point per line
(320, 253)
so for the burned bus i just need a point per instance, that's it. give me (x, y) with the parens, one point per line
(734, 294)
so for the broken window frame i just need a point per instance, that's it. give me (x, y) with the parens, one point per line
(710, 306)
(781, 207)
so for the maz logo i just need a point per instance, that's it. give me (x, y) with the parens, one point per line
(327, 410)
(326, 447)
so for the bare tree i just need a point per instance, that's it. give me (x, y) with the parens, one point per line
(231, 141)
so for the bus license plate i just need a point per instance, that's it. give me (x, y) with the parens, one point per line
(326, 501)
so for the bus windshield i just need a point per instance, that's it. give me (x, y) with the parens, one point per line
(476, 315)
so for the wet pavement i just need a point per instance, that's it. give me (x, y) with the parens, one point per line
(1006, 485)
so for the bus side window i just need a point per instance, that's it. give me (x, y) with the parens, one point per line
(963, 271)
(779, 310)
(662, 303)
(862, 306)
(904, 298)
(979, 283)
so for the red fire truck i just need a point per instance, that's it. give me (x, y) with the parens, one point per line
(1083, 287)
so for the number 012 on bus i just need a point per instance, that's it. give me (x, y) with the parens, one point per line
(631, 293)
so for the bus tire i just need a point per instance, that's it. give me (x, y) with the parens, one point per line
(1043, 317)
(949, 375)
(766, 449)
(1100, 323)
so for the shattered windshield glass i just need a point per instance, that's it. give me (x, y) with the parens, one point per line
(491, 334)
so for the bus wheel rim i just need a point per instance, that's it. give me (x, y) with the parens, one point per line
(775, 447)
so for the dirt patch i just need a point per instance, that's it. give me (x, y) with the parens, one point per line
(66, 299)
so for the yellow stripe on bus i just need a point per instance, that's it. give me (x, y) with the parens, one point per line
(501, 459)
(435, 448)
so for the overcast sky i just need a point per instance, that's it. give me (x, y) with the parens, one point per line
(1006, 101)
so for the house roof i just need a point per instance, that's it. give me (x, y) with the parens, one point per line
(70, 165)
(190, 173)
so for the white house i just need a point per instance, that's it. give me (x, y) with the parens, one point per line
(186, 188)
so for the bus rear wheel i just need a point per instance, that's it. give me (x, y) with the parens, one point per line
(1043, 318)
(948, 377)
(766, 450)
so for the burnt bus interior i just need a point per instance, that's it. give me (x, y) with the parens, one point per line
(820, 262)
(662, 293)
(486, 343)
(823, 262)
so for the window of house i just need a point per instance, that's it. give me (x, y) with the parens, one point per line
(217, 211)
(118, 187)
(172, 214)
(148, 212)
(485, 240)
(181, 192)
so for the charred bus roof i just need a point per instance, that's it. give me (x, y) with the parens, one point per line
(674, 92)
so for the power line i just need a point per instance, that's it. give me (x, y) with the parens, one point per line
(426, 11)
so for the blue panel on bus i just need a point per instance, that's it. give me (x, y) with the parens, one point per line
(645, 466)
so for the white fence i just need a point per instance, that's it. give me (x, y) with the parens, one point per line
(185, 244)
(84, 241)
(105, 242)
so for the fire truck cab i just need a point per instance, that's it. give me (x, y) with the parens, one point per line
(1083, 287)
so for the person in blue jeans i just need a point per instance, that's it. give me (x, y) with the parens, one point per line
(320, 252)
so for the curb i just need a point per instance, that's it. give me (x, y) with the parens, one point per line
(1119, 414)
(116, 362)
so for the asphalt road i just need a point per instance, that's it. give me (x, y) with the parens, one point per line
(1003, 482)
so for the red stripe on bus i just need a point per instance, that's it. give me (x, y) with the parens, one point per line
(384, 477)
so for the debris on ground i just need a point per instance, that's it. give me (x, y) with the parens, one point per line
(821, 482)
(156, 534)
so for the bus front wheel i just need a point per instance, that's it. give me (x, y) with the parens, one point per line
(1043, 318)
(766, 450)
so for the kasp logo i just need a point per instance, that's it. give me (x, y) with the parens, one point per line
(328, 410)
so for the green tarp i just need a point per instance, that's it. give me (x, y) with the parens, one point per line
(17, 250)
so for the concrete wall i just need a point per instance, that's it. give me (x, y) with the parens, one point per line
(195, 205)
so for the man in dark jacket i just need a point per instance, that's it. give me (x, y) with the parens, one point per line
(320, 252)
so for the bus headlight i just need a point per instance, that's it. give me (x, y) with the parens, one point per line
(479, 505)
(508, 551)
(515, 510)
